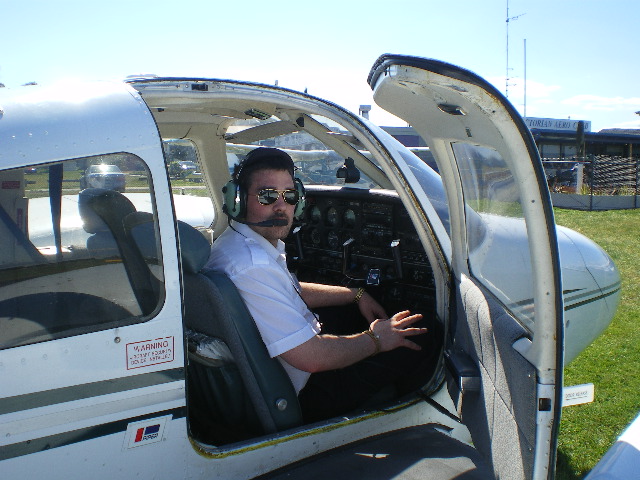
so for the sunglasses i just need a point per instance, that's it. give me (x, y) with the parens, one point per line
(267, 196)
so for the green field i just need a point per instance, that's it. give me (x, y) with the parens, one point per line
(612, 362)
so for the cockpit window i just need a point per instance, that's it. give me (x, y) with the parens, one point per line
(319, 149)
(191, 194)
(183, 165)
(80, 248)
(496, 228)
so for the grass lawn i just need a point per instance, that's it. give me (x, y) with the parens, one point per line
(612, 362)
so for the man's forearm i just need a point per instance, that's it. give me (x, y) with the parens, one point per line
(318, 295)
(330, 352)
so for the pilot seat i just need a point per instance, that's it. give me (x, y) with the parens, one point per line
(235, 390)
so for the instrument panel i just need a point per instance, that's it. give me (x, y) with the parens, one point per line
(358, 237)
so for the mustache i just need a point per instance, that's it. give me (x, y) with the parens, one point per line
(278, 221)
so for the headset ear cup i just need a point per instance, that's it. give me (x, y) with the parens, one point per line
(233, 201)
(299, 210)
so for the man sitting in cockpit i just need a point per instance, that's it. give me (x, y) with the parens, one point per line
(339, 360)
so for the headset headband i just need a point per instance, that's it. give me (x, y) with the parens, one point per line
(259, 154)
(235, 194)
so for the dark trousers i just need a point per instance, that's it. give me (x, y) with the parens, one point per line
(398, 372)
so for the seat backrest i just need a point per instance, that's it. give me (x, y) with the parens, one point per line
(214, 308)
(101, 210)
(104, 214)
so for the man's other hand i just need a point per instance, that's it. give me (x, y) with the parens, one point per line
(393, 332)
(370, 308)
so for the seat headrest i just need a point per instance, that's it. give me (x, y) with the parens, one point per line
(194, 247)
(98, 207)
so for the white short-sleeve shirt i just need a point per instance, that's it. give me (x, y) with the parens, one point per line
(271, 293)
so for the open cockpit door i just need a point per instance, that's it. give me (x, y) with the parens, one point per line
(505, 328)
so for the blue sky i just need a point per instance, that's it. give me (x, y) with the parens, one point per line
(581, 54)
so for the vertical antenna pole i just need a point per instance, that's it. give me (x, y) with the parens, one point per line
(506, 77)
(506, 89)
(525, 77)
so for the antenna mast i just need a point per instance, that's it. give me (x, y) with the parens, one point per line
(525, 78)
(506, 89)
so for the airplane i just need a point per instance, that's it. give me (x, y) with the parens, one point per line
(621, 460)
(121, 356)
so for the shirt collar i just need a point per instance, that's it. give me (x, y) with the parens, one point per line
(253, 236)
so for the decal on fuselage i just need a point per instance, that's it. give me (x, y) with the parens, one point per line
(150, 352)
(145, 432)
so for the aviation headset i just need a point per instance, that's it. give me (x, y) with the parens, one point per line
(235, 194)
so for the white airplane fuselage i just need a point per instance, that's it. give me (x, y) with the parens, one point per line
(113, 400)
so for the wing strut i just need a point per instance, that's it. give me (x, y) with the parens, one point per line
(55, 199)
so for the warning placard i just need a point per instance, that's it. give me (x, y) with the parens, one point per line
(149, 352)
(11, 184)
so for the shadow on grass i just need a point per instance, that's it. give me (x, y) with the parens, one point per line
(564, 469)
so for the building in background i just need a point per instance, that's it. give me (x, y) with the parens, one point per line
(558, 139)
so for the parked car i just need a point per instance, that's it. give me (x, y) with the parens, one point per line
(188, 167)
(103, 176)
(184, 170)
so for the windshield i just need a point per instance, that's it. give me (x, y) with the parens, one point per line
(318, 160)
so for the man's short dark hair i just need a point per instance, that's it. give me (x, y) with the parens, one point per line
(262, 158)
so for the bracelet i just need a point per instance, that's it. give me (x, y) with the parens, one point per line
(359, 294)
(376, 340)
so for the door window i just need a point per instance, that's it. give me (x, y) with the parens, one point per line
(71, 261)
(496, 230)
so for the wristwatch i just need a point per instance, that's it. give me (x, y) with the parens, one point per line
(359, 294)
